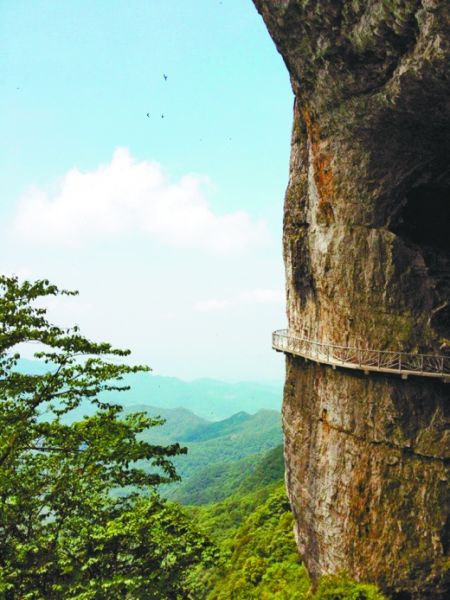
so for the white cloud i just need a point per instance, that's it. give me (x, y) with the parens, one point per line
(256, 296)
(128, 197)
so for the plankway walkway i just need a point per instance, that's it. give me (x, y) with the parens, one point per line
(397, 363)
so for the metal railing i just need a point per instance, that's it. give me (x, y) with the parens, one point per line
(402, 363)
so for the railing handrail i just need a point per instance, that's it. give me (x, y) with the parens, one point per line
(431, 365)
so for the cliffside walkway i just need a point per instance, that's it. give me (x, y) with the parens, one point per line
(396, 363)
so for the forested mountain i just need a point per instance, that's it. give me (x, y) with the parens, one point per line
(179, 422)
(212, 446)
(219, 481)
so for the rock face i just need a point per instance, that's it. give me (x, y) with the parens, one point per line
(367, 256)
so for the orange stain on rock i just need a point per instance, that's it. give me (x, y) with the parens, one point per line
(323, 173)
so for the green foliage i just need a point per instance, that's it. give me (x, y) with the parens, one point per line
(341, 587)
(222, 480)
(62, 532)
(212, 483)
(269, 469)
(221, 520)
(240, 423)
(254, 519)
(178, 422)
(236, 422)
(263, 560)
(256, 434)
(220, 454)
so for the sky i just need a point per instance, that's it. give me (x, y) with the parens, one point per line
(144, 151)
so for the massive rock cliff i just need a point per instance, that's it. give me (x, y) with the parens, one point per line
(366, 248)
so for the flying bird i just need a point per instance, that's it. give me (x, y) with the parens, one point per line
(148, 115)
(165, 76)
(162, 116)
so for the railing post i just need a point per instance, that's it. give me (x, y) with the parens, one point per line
(379, 358)
(399, 361)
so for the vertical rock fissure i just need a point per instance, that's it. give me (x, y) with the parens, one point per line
(366, 250)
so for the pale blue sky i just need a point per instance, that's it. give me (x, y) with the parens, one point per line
(175, 244)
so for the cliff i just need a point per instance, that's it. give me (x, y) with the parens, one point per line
(367, 256)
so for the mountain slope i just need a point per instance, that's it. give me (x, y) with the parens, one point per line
(221, 480)
(211, 445)
(234, 440)
(179, 423)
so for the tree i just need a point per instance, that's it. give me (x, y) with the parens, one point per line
(79, 513)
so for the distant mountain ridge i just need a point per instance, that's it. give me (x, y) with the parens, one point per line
(179, 422)
(208, 398)
(218, 428)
